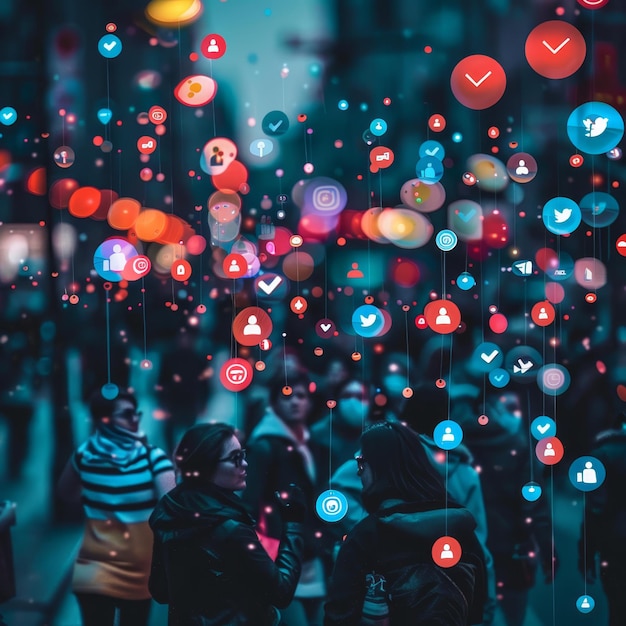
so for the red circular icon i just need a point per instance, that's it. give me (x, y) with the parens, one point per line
(493, 132)
(234, 265)
(436, 123)
(213, 46)
(593, 4)
(443, 316)
(420, 322)
(620, 245)
(180, 270)
(576, 160)
(157, 114)
(298, 305)
(555, 49)
(478, 81)
(251, 326)
(469, 179)
(236, 374)
(446, 551)
(146, 144)
(549, 450)
(543, 313)
(136, 267)
(590, 297)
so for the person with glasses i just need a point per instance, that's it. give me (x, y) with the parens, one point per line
(409, 514)
(119, 477)
(208, 563)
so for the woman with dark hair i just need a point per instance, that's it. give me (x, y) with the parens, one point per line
(208, 563)
(410, 513)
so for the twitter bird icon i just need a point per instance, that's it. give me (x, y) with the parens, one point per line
(562, 216)
(368, 321)
(595, 127)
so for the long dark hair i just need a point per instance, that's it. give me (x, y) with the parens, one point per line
(399, 466)
(200, 449)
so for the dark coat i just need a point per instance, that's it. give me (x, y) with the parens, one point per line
(397, 542)
(209, 565)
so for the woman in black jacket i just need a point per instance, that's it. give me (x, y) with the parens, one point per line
(404, 538)
(208, 563)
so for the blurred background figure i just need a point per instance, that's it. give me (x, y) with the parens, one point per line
(119, 477)
(603, 532)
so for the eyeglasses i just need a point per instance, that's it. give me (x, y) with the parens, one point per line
(236, 458)
(360, 464)
(128, 414)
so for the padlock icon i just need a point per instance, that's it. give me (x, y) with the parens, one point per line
(180, 270)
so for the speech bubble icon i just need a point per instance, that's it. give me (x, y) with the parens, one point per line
(217, 155)
(381, 157)
(195, 90)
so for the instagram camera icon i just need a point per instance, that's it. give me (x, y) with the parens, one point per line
(326, 198)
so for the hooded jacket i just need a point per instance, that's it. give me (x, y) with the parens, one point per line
(397, 542)
(209, 565)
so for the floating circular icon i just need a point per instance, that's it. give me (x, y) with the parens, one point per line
(378, 127)
(109, 391)
(499, 378)
(465, 281)
(553, 379)
(261, 147)
(590, 273)
(436, 123)
(110, 46)
(213, 46)
(555, 49)
(593, 4)
(561, 215)
(595, 127)
(448, 434)
(587, 473)
(561, 267)
(543, 313)
(432, 148)
(298, 305)
(157, 114)
(420, 322)
(235, 265)
(236, 374)
(446, 551)
(331, 505)
(325, 328)
(146, 144)
(585, 604)
(275, 123)
(486, 357)
(195, 90)
(599, 209)
(181, 270)
(271, 285)
(614, 155)
(64, 157)
(443, 316)
(324, 196)
(368, 320)
(136, 267)
(429, 170)
(111, 256)
(251, 326)
(522, 363)
(104, 115)
(542, 427)
(531, 492)
(446, 240)
(522, 167)
(478, 81)
(549, 450)
(576, 160)
(8, 116)
(620, 245)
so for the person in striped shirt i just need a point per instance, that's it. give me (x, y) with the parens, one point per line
(119, 477)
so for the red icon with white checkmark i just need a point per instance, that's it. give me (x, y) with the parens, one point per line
(478, 81)
(555, 49)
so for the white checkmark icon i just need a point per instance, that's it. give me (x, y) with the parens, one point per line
(543, 429)
(326, 327)
(7, 116)
(109, 46)
(481, 81)
(269, 288)
(432, 152)
(487, 358)
(559, 47)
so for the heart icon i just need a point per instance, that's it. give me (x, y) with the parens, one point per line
(325, 327)
(331, 404)
(621, 392)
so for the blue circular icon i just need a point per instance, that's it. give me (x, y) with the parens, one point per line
(378, 127)
(110, 257)
(368, 321)
(531, 491)
(465, 281)
(553, 379)
(599, 209)
(615, 154)
(446, 240)
(342, 105)
(109, 391)
(104, 115)
(585, 604)
(261, 147)
(431, 149)
(448, 434)
(561, 216)
(595, 127)
(499, 377)
(522, 363)
(563, 269)
(110, 46)
(8, 116)
(486, 357)
(324, 196)
(275, 123)
(587, 473)
(331, 505)
(543, 426)
(429, 170)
